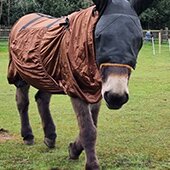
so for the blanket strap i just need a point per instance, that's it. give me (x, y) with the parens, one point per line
(66, 23)
(51, 24)
(30, 22)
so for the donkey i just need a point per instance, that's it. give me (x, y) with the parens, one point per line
(115, 41)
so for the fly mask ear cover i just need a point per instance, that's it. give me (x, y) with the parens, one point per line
(118, 35)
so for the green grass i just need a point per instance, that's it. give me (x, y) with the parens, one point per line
(137, 137)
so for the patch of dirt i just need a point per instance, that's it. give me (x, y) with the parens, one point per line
(4, 135)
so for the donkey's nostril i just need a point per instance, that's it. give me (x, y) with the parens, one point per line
(106, 95)
(115, 101)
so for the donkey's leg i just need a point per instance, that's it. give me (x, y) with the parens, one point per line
(88, 132)
(95, 108)
(76, 148)
(22, 104)
(43, 101)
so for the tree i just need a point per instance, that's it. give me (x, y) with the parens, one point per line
(11, 11)
(9, 8)
(59, 8)
(157, 17)
(1, 5)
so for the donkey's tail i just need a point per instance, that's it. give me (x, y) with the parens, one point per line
(13, 76)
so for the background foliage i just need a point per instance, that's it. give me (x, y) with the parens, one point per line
(11, 10)
(156, 17)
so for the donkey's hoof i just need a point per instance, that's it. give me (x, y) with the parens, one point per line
(73, 153)
(50, 143)
(92, 166)
(29, 142)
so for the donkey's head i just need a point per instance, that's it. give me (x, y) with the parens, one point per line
(118, 39)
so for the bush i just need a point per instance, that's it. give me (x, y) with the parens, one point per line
(13, 10)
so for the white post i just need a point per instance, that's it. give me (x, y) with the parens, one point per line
(169, 44)
(159, 42)
(153, 46)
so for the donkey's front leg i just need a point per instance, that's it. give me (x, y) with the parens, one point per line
(22, 105)
(43, 101)
(76, 148)
(88, 132)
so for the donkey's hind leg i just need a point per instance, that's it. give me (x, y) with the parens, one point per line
(22, 104)
(88, 131)
(76, 148)
(43, 101)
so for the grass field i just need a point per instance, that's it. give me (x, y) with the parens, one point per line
(137, 137)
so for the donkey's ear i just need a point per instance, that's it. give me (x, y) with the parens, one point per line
(140, 5)
(100, 4)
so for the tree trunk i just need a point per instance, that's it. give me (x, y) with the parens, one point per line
(9, 8)
(1, 5)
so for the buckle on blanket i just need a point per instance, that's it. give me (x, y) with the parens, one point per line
(66, 23)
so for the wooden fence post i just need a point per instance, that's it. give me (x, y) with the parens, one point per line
(160, 41)
(153, 46)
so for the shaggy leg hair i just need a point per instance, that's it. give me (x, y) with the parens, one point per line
(22, 105)
(87, 121)
(43, 101)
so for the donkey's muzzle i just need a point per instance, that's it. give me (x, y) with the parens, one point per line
(115, 101)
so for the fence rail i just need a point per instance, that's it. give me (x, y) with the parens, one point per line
(4, 33)
(165, 34)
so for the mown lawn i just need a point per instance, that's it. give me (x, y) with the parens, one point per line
(137, 137)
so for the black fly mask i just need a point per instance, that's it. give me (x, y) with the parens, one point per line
(118, 34)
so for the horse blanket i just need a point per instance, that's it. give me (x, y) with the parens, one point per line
(56, 54)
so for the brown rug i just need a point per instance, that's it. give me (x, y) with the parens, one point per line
(56, 54)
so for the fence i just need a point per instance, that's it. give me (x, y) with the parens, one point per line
(4, 33)
(160, 35)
